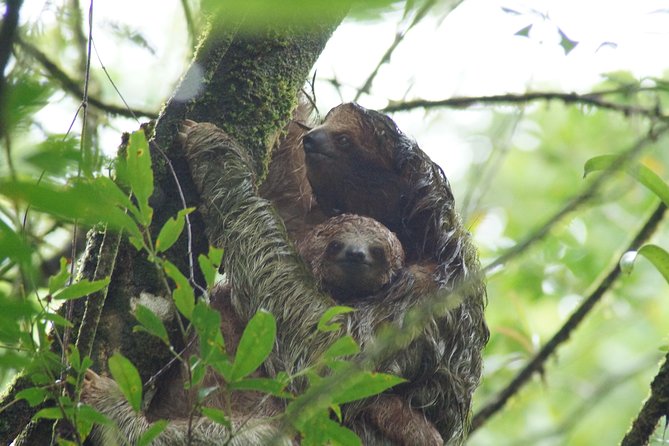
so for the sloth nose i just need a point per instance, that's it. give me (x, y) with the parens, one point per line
(355, 254)
(314, 139)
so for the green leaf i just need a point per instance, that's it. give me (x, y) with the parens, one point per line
(344, 346)
(86, 362)
(13, 246)
(510, 11)
(322, 430)
(208, 270)
(56, 155)
(274, 387)
(87, 417)
(255, 345)
(566, 43)
(34, 395)
(49, 413)
(324, 322)
(216, 256)
(150, 323)
(59, 280)
(91, 415)
(86, 200)
(197, 372)
(73, 357)
(336, 409)
(524, 32)
(217, 416)
(363, 385)
(183, 295)
(80, 289)
(658, 257)
(152, 433)
(136, 171)
(127, 377)
(209, 265)
(171, 230)
(224, 367)
(57, 319)
(116, 195)
(639, 172)
(25, 96)
(207, 323)
(137, 242)
(347, 384)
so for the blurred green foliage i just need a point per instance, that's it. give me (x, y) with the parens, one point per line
(593, 387)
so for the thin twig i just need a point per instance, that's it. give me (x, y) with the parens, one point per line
(537, 363)
(593, 99)
(73, 87)
(399, 37)
(118, 92)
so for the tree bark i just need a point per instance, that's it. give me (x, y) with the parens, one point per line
(654, 409)
(245, 83)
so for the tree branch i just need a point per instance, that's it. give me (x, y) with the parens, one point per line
(593, 99)
(73, 87)
(537, 363)
(653, 409)
(9, 24)
(399, 37)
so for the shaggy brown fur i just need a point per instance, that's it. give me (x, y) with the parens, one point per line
(403, 189)
(358, 161)
(248, 428)
(443, 364)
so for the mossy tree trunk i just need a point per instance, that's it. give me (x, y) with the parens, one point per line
(247, 84)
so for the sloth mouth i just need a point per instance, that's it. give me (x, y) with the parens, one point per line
(314, 154)
(354, 264)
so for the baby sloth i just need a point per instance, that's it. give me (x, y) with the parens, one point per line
(352, 257)
(355, 258)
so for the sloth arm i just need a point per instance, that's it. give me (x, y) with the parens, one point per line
(104, 395)
(263, 266)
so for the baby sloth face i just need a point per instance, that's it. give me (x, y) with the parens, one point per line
(353, 257)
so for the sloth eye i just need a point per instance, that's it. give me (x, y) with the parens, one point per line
(377, 252)
(333, 248)
(343, 141)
